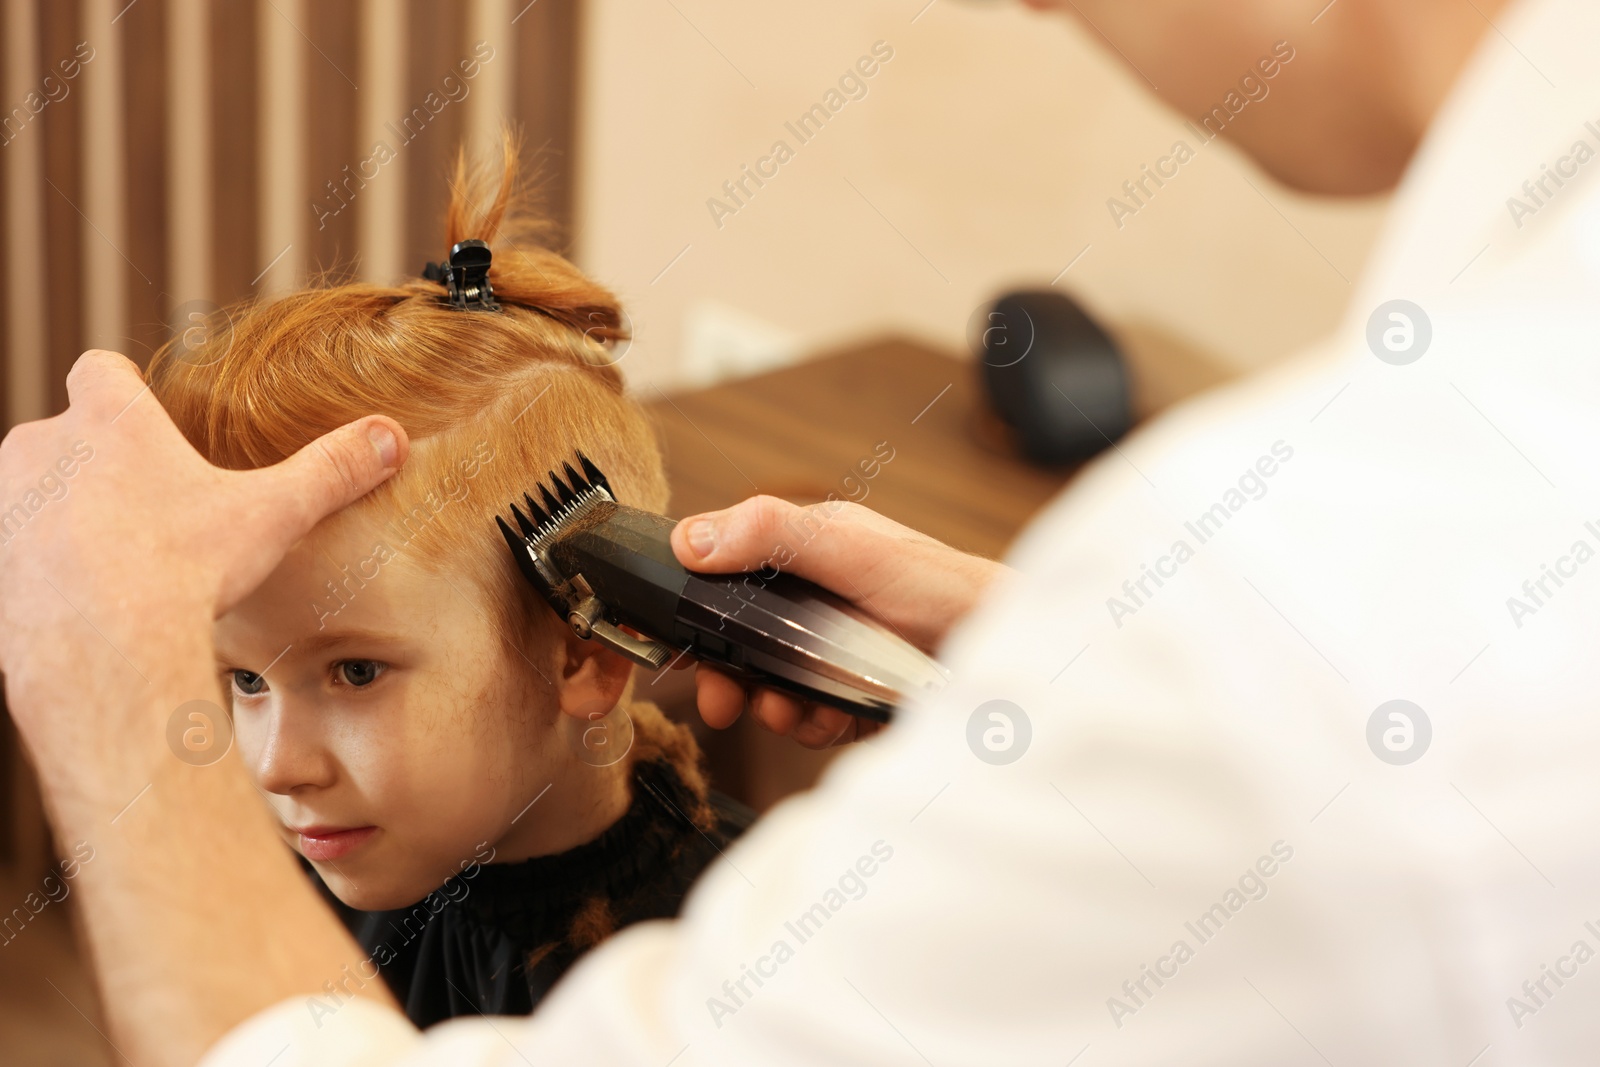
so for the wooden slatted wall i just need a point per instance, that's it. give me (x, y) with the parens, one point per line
(158, 155)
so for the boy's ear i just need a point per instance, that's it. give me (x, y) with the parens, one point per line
(591, 679)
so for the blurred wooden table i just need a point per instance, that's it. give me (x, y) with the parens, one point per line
(798, 433)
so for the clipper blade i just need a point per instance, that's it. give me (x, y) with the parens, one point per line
(566, 547)
(542, 523)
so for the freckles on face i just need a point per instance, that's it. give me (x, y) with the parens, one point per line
(384, 719)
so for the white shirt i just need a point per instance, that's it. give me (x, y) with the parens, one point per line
(1199, 799)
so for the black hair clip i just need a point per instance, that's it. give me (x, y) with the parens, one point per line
(466, 276)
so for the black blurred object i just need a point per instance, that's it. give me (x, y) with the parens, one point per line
(1053, 375)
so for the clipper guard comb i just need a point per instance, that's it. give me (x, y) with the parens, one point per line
(609, 570)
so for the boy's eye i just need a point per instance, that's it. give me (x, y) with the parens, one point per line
(358, 672)
(249, 684)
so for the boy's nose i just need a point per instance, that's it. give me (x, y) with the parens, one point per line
(292, 756)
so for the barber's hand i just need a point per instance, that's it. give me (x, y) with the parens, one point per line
(144, 533)
(916, 585)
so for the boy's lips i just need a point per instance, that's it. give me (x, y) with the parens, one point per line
(331, 842)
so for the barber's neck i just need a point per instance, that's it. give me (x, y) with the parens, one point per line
(1343, 115)
(1428, 46)
(1371, 78)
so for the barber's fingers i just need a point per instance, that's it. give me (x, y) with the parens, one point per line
(333, 471)
(104, 384)
(722, 700)
(746, 537)
(734, 539)
(916, 585)
(821, 726)
(778, 712)
(284, 501)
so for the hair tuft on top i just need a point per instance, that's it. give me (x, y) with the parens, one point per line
(492, 205)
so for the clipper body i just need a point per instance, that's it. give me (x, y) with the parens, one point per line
(609, 569)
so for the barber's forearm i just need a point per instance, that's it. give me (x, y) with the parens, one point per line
(179, 968)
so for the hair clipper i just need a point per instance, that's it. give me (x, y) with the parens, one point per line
(610, 571)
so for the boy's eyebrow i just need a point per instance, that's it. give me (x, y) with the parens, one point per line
(325, 640)
(322, 641)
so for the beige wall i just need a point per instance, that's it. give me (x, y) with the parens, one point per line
(991, 142)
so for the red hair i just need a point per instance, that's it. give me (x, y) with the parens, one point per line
(524, 388)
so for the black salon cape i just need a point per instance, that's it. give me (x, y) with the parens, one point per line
(497, 942)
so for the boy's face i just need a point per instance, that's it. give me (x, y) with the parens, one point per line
(389, 726)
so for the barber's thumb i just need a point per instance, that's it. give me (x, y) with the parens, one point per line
(740, 538)
(335, 470)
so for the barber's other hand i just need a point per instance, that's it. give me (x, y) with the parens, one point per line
(916, 585)
(146, 533)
